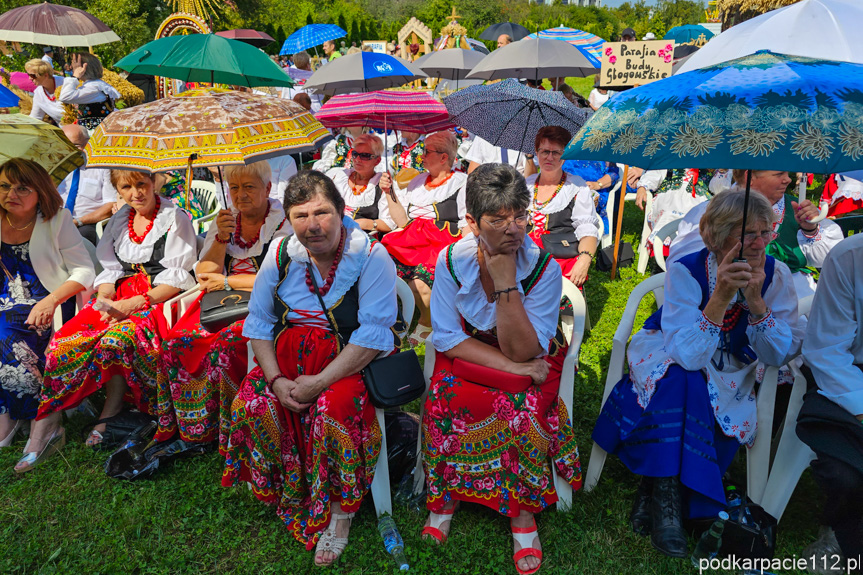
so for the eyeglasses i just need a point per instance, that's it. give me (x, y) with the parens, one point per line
(767, 235)
(363, 155)
(501, 224)
(32, 76)
(428, 151)
(20, 191)
(554, 154)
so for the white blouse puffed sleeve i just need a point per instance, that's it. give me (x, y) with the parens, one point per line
(181, 253)
(447, 331)
(75, 256)
(89, 92)
(817, 246)
(112, 269)
(328, 158)
(776, 338)
(384, 212)
(542, 304)
(651, 179)
(261, 321)
(585, 221)
(378, 303)
(690, 338)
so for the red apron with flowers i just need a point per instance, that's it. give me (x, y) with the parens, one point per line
(302, 462)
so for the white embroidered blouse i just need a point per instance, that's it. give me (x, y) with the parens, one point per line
(585, 222)
(354, 202)
(418, 200)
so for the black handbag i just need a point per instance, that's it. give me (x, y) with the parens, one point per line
(560, 245)
(625, 257)
(219, 309)
(391, 381)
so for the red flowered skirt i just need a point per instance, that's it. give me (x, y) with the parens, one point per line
(199, 376)
(301, 462)
(486, 446)
(415, 248)
(86, 352)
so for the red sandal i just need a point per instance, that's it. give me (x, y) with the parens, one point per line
(524, 536)
(435, 521)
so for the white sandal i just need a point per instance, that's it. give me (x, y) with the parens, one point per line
(329, 541)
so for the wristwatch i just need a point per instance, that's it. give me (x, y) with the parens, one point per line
(76, 222)
(227, 285)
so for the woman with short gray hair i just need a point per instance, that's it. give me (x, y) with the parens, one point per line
(430, 213)
(688, 402)
(494, 426)
(359, 185)
(94, 97)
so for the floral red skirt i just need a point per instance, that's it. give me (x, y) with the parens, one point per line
(199, 376)
(86, 352)
(415, 248)
(486, 446)
(302, 462)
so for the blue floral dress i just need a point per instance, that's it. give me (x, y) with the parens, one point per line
(22, 350)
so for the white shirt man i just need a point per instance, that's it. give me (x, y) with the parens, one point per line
(483, 152)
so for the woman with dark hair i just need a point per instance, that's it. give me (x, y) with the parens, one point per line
(688, 401)
(303, 433)
(562, 204)
(147, 252)
(44, 263)
(488, 439)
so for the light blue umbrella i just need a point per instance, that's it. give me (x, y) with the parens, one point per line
(688, 33)
(765, 111)
(309, 36)
(589, 44)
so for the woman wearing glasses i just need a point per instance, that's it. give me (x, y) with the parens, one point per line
(430, 212)
(44, 97)
(688, 402)
(493, 425)
(147, 252)
(43, 263)
(562, 204)
(359, 185)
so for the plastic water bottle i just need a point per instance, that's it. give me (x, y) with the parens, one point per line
(393, 541)
(710, 542)
(732, 497)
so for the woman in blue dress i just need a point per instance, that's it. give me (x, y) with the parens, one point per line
(600, 177)
(43, 263)
(688, 402)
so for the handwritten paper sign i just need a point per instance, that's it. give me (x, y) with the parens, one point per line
(635, 63)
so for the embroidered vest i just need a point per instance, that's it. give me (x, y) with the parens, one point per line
(414, 157)
(256, 260)
(150, 268)
(369, 212)
(560, 222)
(785, 247)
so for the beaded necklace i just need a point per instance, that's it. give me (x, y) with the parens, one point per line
(430, 186)
(331, 276)
(238, 239)
(355, 189)
(540, 205)
(131, 225)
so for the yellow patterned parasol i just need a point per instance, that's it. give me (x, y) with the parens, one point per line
(204, 127)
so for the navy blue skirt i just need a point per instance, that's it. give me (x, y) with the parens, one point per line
(676, 435)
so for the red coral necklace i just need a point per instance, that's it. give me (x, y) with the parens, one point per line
(132, 235)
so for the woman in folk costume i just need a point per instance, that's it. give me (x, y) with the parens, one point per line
(303, 432)
(486, 438)
(408, 152)
(201, 371)
(430, 212)
(562, 204)
(147, 252)
(688, 402)
(359, 185)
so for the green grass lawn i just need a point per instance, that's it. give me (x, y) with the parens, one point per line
(69, 517)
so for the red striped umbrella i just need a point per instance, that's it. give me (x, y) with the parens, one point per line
(386, 110)
(54, 25)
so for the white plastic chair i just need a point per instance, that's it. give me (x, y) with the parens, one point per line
(183, 301)
(792, 456)
(566, 391)
(100, 227)
(380, 488)
(669, 230)
(206, 192)
(643, 255)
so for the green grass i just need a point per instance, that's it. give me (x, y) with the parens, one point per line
(69, 517)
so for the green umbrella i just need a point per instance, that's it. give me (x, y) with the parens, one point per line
(32, 139)
(206, 58)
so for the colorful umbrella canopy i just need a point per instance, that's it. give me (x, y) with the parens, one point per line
(214, 126)
(761, 112)
(534, 59)
(449, 64)
(309, 36)
(54, 25)
(252, 37)
(509, 114)
(206, 58)
(688, 33)
(514, 31)
(835, 23)
(589, 44)
(32, 139)
(410, 111)
(361, 73)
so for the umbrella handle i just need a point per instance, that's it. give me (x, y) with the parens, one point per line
(189, 181)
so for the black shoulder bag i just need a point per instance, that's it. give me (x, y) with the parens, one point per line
(219, 309)
(391, 381)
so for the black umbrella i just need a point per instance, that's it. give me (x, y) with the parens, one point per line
(514, 31)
